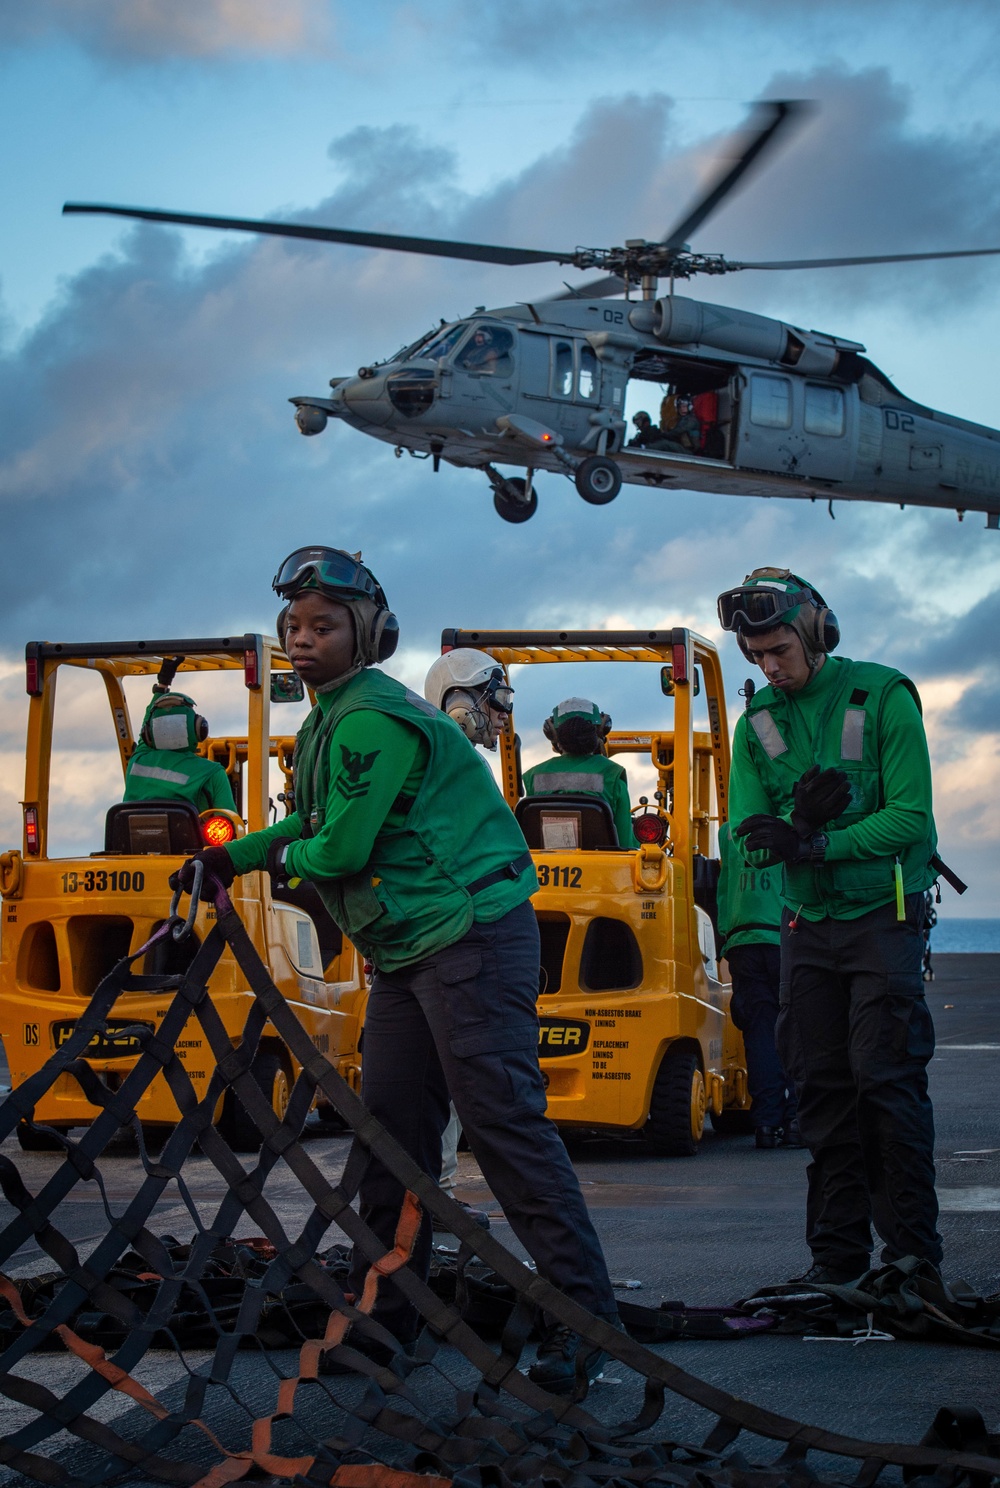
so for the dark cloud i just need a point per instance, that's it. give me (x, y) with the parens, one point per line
(148, 457)
(151, 31)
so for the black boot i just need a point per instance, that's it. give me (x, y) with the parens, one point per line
(559, 1366)
(821, 1275)
(766, 1137)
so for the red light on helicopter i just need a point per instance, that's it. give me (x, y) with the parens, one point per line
(650, 828)
(217, 830)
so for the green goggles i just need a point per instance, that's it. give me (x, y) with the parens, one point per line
(329, 569)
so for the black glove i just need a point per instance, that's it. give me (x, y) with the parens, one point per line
(819, 797)
(276, 868)
(772, 835)
(218, 864)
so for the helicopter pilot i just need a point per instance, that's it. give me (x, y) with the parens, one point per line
(488, 353)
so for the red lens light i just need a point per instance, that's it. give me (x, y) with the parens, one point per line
(31, 835)
(650, 828)
(217, 831)
(680, 663)
(251, 670)
(32, 676)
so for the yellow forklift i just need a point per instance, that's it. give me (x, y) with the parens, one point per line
(68, 920)
(635, 1031)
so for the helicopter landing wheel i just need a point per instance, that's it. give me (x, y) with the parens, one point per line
(515, 506)
(598, 480)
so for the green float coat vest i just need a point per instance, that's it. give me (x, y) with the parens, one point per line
(846, 739)
(411, 899)
(749, 898)
(177, 775)
(592, 775)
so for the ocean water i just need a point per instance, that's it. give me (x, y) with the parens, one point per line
(951, 936)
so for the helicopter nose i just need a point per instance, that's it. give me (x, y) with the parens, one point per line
(366, 398)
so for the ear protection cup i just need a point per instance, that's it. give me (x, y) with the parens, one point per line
(384, 635)
(604, 728)
(827, 630)
(200, 728)
(550, 734)
(279, 625)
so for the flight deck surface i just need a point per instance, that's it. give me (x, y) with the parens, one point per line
(708, 1230)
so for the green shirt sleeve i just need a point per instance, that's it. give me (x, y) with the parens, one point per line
(906, 817)
(372, 759)
(250, 852)
(622, 809)
(218, 790)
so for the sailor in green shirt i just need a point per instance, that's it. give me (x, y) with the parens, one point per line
(577, 729)
(401, 826)
(166, 765)
(831, 779)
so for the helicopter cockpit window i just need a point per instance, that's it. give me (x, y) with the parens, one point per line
(443, 345)
(587, 386)
(562, 369)
(489, 352)
(824, 410)
(770, 401)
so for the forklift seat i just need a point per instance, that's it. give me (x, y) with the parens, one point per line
(153, 827)
(567, 820)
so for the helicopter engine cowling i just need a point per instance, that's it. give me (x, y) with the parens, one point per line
(680, 321)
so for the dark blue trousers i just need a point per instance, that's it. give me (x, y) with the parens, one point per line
(855, 1033)
(756, 973)
(463, 1023)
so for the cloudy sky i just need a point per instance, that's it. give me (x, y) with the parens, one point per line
(150, 472)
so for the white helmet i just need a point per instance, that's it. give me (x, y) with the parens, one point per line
(461, 683)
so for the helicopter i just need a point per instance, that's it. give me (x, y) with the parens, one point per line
(753, 406)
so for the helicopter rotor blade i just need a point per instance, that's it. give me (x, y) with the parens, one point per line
(774, 116)
(435, 247)
(874, 258)
(594, 289)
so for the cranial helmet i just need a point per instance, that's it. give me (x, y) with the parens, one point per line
(577, 726)
(342, 577)
(771, 597)
(171, 722)
(463, 683)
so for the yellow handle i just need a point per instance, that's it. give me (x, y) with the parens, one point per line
(900, 901)
(649, 855)
(11, 873)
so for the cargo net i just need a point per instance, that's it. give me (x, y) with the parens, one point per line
(218, 1358)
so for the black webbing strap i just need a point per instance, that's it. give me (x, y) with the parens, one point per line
(512, 871)
(948, 874)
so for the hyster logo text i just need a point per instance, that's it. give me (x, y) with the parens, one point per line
(558, 1037)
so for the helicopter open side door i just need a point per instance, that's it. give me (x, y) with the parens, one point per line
(797, 426)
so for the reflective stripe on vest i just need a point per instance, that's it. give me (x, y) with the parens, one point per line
(567, 780)
(852, 734)
(767, 732)
(154, 772)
